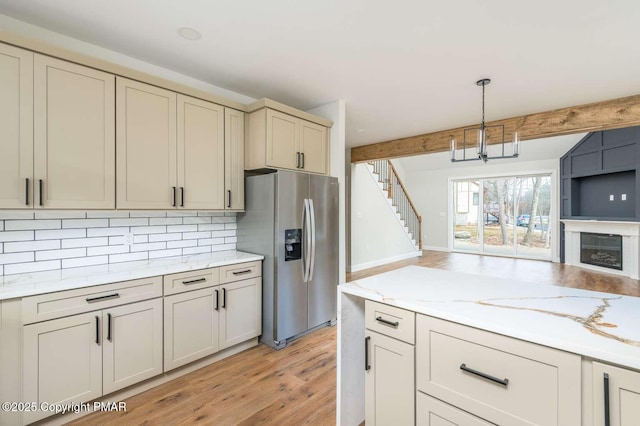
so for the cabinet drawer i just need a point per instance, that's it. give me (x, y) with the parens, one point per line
(64, 303)
(390, 321)
(497, 377)
(239, 272)
(432, 412)
(191, 280)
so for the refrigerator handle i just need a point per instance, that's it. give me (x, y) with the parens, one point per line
(305, 235)
(313, 239)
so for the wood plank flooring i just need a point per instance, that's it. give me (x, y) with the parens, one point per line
(297, 385)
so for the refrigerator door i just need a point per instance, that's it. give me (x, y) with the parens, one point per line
(323, 285)
(290, 288)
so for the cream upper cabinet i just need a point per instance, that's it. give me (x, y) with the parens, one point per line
(146, 146)
(74, 136)
(616, 395)
(280, 140)
(201, 154)
(16, 127)
(234, 159)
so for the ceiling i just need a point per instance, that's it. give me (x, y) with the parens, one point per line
(403, 68)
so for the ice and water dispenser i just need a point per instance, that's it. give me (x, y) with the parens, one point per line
(292, 244)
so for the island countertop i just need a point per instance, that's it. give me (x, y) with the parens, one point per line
(21, 285)
(596, 325)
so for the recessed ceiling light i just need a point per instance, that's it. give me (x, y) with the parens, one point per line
(189, 33)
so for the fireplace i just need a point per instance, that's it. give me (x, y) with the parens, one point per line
(603, 250)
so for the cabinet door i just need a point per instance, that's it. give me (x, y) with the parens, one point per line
(282, 140)
(624, 395)
(146, 146)
(234, 159)
(190, 326)
(16, 128)
(200, 154)
(241, 313)
(62, 361)
(314, 147)
(74, 136)
(389, 382)
(132, 344)
(433, 412)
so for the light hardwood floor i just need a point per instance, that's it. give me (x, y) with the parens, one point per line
(297, 385)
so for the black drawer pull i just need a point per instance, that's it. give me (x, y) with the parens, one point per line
(228, 199)
(173, 196)
(182, 196)
(217, 307)
(97, 330)
(26, 195)
(40, 190)
(503, 382)
(302, 162)
(199, 280)
(607, 415)
(367, 367)
(224, 298)
(109, 327)
(108, 296)
(246, 271)
(387, 322)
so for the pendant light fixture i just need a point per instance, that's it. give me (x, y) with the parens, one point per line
(481, 141)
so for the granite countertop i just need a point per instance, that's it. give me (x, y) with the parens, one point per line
(597, 325)
(21, 285)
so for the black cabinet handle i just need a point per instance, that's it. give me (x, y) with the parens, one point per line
(302, 163)
(40, 186)
(224, 297)
(216, 291)
(199, 280)
(607, 416)
(108, 296)
(246, 271)
(26, 193)
(503, 382)
(109, 327)
(367, 367)
(394, 324)
(97, 330)
(228, 199)
(297, 160)
(173, 189)
(182, 196)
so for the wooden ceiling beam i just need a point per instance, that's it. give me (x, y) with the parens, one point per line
(605, 115)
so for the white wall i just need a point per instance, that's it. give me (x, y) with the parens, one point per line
(336, 112)
(376, 234)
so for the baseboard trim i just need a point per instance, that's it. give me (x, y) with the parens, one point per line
(372, 264)
(436, 248)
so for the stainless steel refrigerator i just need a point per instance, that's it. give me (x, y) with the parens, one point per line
(292, 220)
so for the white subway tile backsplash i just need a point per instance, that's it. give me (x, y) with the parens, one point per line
(129, 257)
(107, 232)
(24, 225)
(60, 234)
(24, 268)
(61, 254)
(165, 253)
(53, 239)
(182, 228)
(84, 261)
(149, 229)
(181, 244)
(85, 223)
(85, 242)
(165, 221)
(164, 237)
(97, 251)
(59, 214)
(136, 221)
(196, 250)
(148, 247)
(196, 235)
(16, 257)
(31, 246)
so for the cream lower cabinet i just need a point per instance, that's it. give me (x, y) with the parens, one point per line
(616, 396)
(241, 311)
(82, 357)
(433, 412)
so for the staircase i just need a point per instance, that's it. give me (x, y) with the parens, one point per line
(395, 192)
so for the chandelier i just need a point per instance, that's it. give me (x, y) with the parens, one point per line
(481, 141)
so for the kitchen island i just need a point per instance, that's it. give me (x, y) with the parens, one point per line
(593, 326)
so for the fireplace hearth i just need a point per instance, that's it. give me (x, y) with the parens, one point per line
(604, 250)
